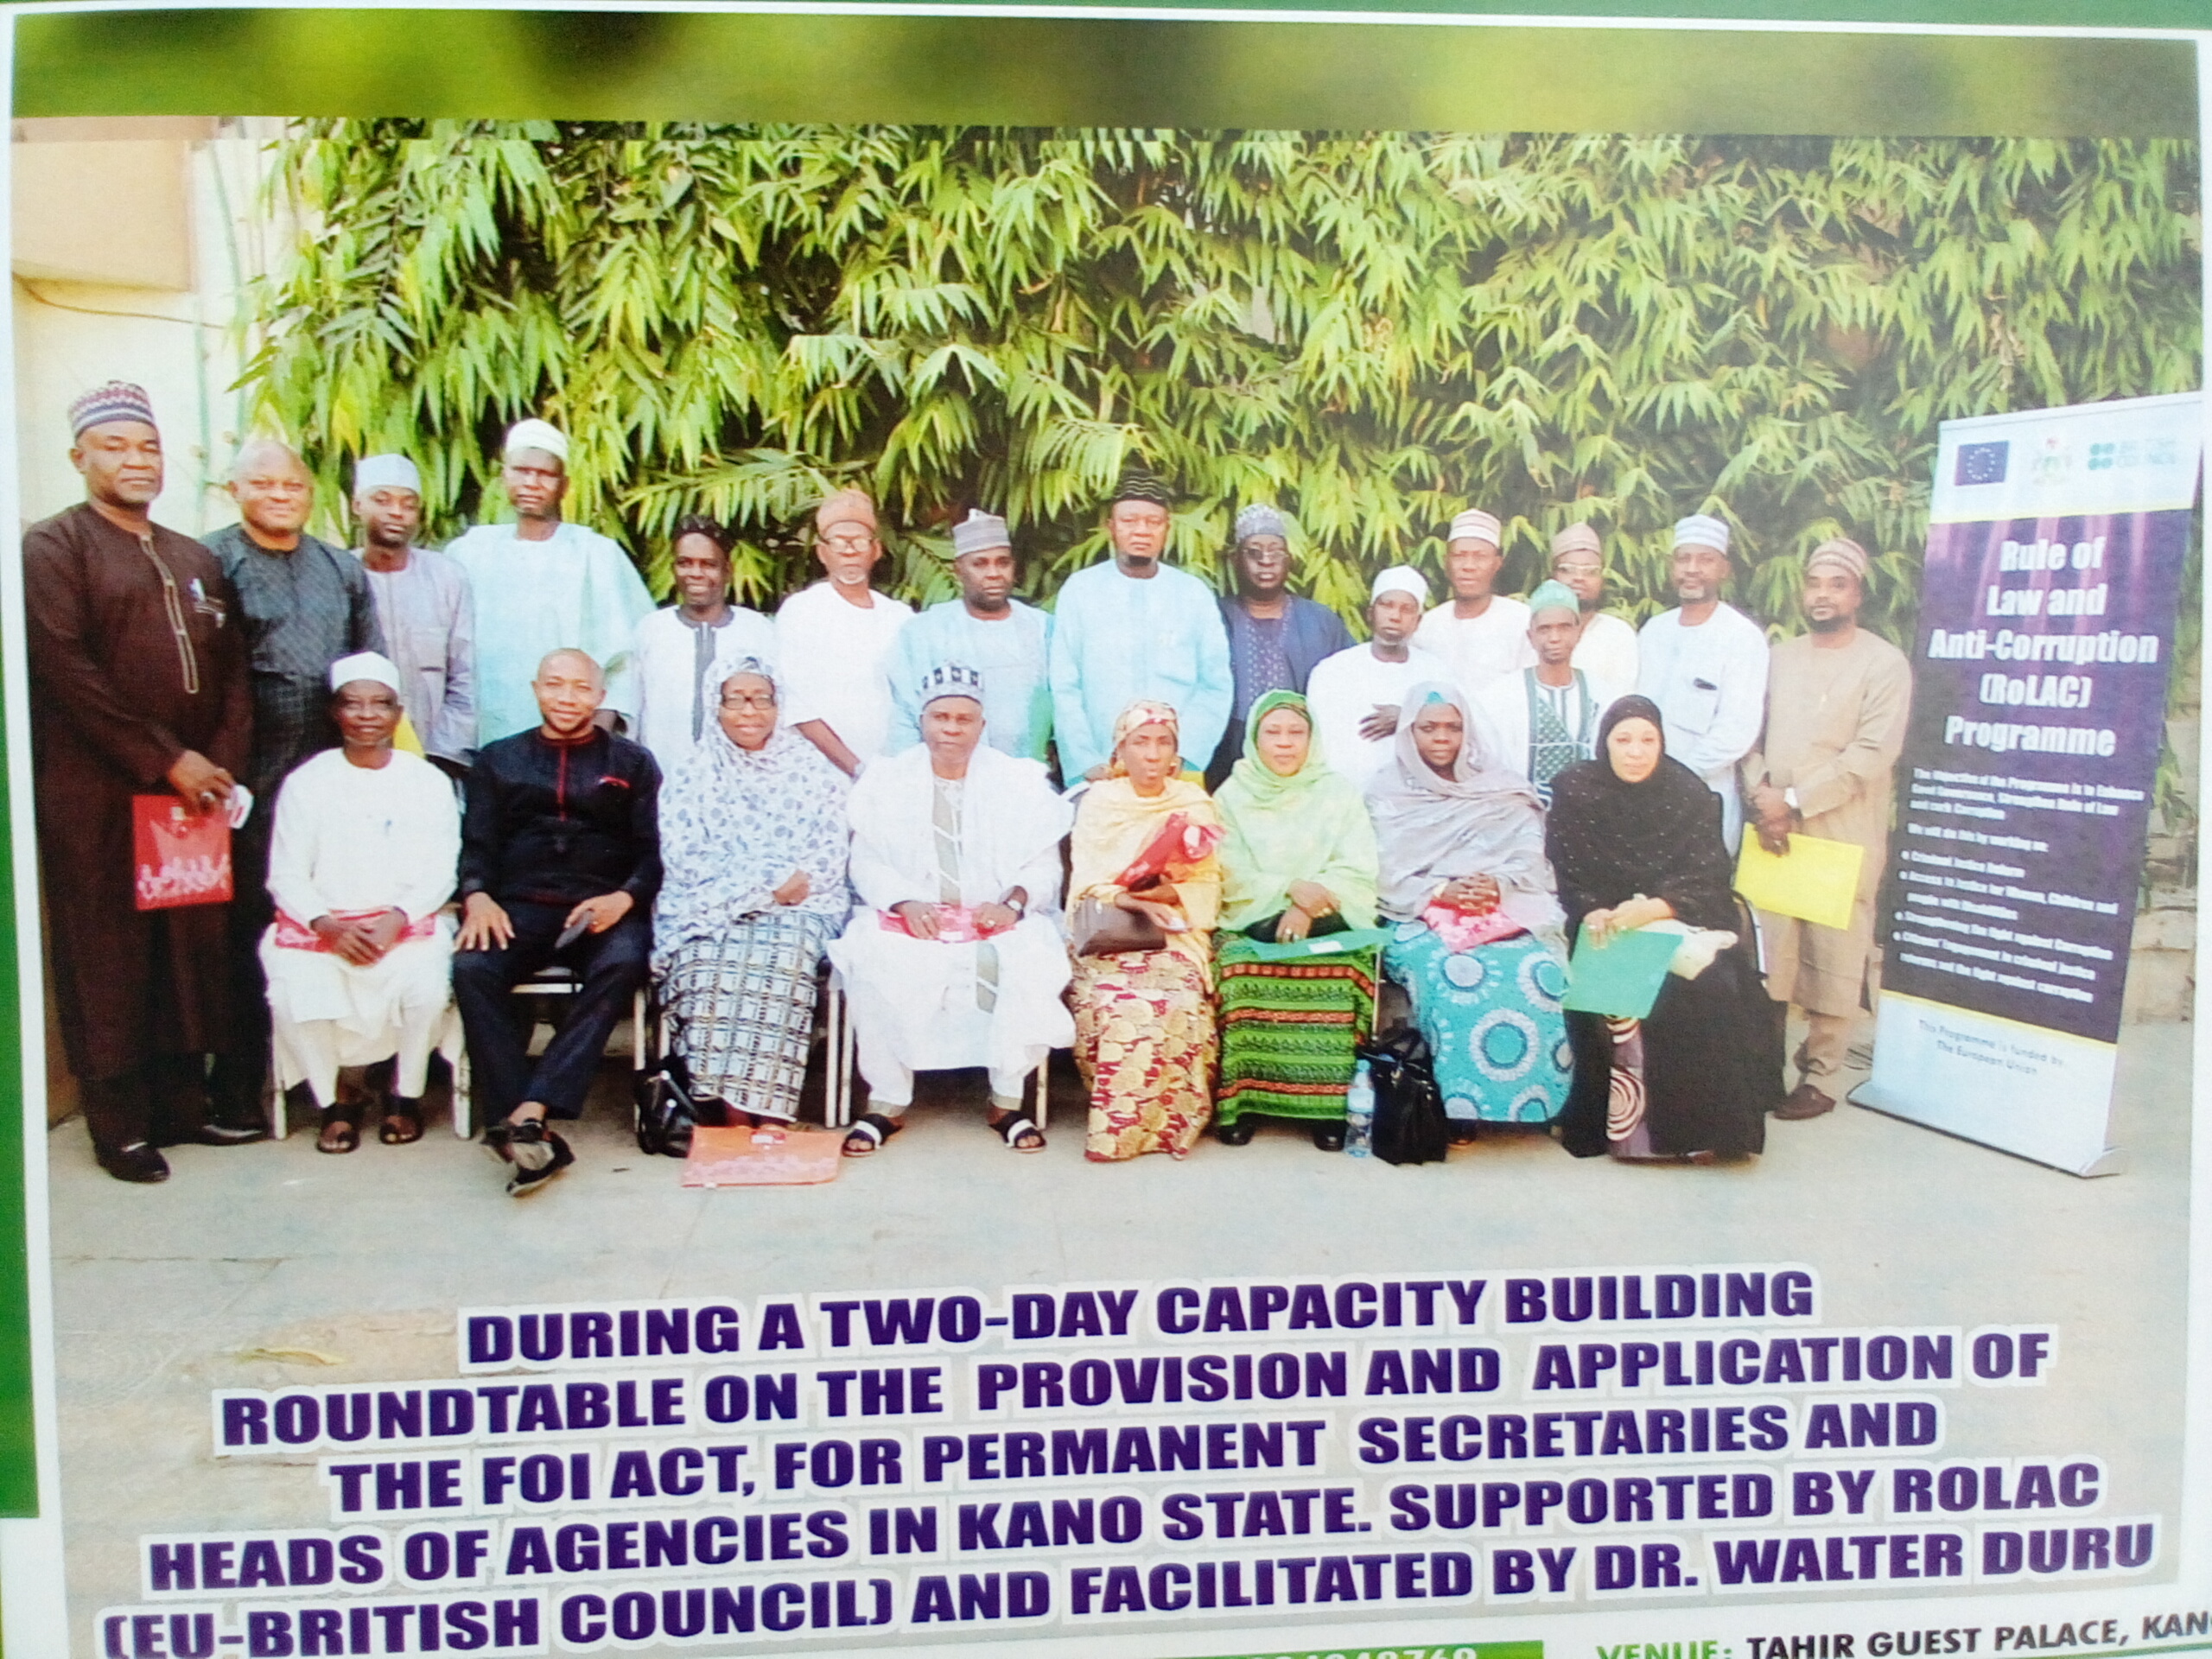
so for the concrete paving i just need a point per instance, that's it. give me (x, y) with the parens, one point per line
(163, 1293)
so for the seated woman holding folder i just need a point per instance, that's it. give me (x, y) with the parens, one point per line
(1477, 943)
(1297, 864)
(1144, 887)
(1634, 836)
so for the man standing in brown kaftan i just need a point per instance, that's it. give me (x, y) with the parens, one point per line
(138, 685)
(1836, 703)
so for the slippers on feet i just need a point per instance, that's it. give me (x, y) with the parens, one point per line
(869, 1131)
(1020, 1131)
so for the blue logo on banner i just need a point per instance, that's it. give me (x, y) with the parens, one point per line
(1982, 463)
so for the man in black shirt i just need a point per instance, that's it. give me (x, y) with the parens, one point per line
(561, 834)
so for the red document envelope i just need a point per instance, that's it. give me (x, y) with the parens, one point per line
(182, 859)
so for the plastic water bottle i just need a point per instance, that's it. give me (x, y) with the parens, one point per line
(1359, 1114)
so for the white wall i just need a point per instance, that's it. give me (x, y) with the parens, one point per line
(92, 309)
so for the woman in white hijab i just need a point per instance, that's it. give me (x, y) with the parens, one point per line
(753, 849)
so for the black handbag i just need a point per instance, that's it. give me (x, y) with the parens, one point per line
(666, 1113)
(1409, 1123)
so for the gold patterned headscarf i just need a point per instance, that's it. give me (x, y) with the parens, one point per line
(1142, 712)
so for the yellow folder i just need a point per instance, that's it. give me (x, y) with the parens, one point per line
(1817, 880)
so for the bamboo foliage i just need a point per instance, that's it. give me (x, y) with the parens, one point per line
(1368, 330)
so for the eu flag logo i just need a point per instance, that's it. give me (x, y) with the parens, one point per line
(1982, 463)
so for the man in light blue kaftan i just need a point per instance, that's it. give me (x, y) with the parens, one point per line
(1132, 629)
(988, 630)
(543, 585)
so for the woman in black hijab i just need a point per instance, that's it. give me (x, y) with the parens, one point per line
(1634, 837)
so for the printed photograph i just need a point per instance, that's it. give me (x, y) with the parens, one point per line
(642, 712)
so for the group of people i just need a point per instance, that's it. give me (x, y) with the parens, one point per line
(449, 771)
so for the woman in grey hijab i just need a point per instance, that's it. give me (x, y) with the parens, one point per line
(1477, 943)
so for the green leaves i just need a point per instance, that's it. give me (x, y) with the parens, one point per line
(1368, 330)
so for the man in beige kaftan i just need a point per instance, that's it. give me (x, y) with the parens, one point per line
(1837, 700)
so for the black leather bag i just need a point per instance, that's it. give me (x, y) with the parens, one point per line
(1409, 1123)
(666, 1114)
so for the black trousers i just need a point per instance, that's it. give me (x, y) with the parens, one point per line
(242, 1064)
(609, 967)
(164, 1102)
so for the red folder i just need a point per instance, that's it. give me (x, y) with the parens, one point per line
(183, 858)
(1178, 847)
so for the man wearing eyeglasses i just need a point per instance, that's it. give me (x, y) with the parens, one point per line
(1606, 648)
(834, 639)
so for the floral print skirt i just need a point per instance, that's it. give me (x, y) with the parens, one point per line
(1144, 1040)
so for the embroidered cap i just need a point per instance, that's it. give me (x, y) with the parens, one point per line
(951, 680)
(118, 400)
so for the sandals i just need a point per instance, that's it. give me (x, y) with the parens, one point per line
(869, 1131)
(402, 1122)
(340, 1118)
(1016, 1126)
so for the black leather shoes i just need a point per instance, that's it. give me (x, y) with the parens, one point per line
(219, 1135)
(138, 1163)
(1234, 1134)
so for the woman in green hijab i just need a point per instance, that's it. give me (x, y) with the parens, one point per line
(1298, 864)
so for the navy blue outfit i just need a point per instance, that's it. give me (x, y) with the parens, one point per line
(547, 825)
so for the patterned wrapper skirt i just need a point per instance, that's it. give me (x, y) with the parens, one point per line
(1289, 1030)
(743, 1008)
(1144, 1040)
(1492, 1016)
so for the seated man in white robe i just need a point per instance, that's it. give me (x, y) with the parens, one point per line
(954, 957)
(366, 841)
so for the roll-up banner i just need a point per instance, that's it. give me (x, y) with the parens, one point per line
(2056, 542)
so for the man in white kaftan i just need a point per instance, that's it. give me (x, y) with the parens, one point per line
(1705, 665)
(542, 584)
(834, 639)
(363, 860)
(1354, 695)
(682, 654)
(952, 840)
(1606, 648)
(1479, 633)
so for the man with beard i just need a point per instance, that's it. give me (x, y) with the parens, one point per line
(1130, 629)
(1007, 642)
(1838, 698)
(1605, 650)
(138, 686)
(424, 608)
(543, 584)
(302, 604)
(682, 654)
(1276, 638)
(1703, 664)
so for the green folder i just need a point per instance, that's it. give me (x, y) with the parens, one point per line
(1327, 945)
(1622, 979)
